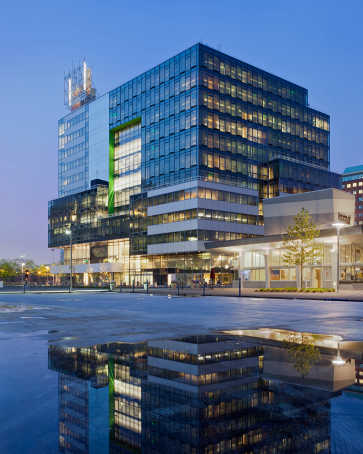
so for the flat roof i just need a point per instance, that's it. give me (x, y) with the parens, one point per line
(319, 194)
(353, 169)
(324, 233)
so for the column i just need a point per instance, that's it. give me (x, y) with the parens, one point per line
(267, 271)
(240, 268)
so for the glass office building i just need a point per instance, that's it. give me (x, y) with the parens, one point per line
(193, 146)
(83, 147)
(201, 394)
(352, 179)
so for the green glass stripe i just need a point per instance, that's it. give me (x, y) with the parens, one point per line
(111, 170)
(111, 394)
(111, 162)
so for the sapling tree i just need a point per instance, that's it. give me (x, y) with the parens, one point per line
(300, 243)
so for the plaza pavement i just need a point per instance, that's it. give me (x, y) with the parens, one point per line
(87, 318)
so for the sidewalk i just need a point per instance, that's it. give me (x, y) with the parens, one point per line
(344, 295)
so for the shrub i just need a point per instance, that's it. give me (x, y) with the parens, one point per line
(294, 289)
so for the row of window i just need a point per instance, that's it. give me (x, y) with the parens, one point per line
(310, 152)
(239, 128)
(127, 164)
(201, 213)
(72, 179)
(153, 97)
(205, 358)
(127, 148)
(354, 185)
(128, 180)
(175, 162)
(203, 193)
(295, 172)
(229, 178)
(178, 176)
(122, 197)
(162, 73)
(66, 153)
(70, 165)
(241, 110)
(68, 123)
(254, 77)
(203, 379)
(67, 138)
(194, 235)
(246, 94)
(174, 143)
(225, 163)
(234, 127)
(172, 107)
(172, 125)
(127, 135)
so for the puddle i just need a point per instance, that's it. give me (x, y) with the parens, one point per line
(238, 391)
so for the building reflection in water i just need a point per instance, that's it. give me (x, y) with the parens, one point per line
(198, 394)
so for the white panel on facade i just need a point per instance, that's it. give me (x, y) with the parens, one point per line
(190, 204)
(174, 248)
(99, 138)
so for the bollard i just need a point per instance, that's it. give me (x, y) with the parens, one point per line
(24, 286)
(147, 287)
(239, 286)
(120, 287)
(178, 288)
(133, 286)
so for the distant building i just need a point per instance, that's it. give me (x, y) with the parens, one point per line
(353, 182)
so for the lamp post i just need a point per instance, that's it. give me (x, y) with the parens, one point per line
(22, 273)
(338, 226)
(338, 361)
(69, 232)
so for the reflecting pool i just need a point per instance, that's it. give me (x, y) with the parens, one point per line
(244, 391)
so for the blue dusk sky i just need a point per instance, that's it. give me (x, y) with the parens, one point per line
(316, 44)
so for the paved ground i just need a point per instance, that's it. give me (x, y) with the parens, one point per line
(29, 390)
(89, 318)
(342, 295)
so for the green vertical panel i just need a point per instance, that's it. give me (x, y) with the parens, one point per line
(111, 395)
(111, 170)
(111, 166)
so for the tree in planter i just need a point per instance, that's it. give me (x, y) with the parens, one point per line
(300, 242)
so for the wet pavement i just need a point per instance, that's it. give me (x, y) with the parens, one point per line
(51, 389)
(103, 317)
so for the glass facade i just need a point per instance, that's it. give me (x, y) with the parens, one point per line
(352, 180)
(83, 147)
(205, 113)
(207, 394)
(85, 213)
(201, 117)
(73, 152)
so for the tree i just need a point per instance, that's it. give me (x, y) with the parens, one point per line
(300, 245)
(43, 270)
(8, 269)
(304, 355)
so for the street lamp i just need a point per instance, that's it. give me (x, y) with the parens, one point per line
(22, 273)
(338, 361)
(69, 232)
(338, 226)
